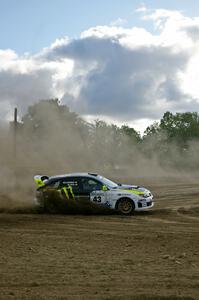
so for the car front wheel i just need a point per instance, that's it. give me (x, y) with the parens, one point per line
(126, 206)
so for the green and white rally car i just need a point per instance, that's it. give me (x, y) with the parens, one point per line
(91, 188)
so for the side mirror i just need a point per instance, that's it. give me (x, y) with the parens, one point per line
(104, 188)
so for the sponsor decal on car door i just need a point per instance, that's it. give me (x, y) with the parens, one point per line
(98, 197)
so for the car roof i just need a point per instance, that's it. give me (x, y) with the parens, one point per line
(91, 175)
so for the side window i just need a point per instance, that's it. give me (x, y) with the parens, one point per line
(73, 182)
(89, 185)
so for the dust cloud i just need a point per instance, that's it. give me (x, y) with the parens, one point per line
(52, 140)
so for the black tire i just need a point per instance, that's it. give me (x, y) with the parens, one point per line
(125, 206)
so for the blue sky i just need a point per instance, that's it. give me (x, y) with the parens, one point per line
(29, 25)
(117, 64)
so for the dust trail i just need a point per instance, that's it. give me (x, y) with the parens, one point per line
(52, 140)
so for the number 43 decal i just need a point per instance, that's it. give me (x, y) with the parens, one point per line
(97, 199)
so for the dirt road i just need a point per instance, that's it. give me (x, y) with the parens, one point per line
(151, 255)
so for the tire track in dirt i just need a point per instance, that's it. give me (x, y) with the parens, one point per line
(153, 253)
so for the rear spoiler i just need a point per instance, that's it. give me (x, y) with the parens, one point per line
(40, 180)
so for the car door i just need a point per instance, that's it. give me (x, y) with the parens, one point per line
(73, 183)
(93, 190)
(78, 188)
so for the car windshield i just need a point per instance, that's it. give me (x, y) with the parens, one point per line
(108, 182)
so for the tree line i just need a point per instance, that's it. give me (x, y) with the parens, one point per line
(53, 135)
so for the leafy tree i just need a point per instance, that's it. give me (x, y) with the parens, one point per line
(131, 133)
(152, 129)
(55, 134)
(181, 127)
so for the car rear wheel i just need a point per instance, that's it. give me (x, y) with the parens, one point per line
(126, 206)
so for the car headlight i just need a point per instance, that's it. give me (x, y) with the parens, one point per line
(144, 195)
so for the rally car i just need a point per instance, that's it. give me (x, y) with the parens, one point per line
(91, 188)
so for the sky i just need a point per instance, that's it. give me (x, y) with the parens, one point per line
(123, 61)
(28, 26)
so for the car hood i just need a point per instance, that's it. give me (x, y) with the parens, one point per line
(133, 189)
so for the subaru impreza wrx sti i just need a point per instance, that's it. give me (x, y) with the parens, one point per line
(94, 189)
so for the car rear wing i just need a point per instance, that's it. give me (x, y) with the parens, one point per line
(40, 180)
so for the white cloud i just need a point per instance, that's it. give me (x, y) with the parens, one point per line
(142, 8)
(26, 79)
(139, 125)
(118, 22)
(120, 74)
